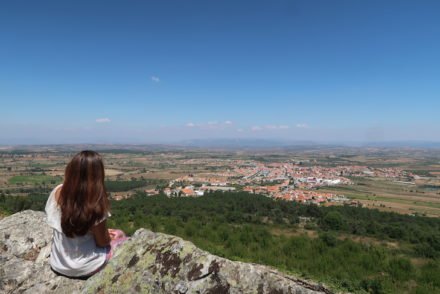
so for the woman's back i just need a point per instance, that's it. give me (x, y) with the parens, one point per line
(74, 257)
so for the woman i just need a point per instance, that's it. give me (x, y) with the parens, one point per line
(77, 211)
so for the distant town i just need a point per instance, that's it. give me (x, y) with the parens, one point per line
(284, 180)
(389, 179)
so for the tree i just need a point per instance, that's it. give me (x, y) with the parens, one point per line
(333, 220)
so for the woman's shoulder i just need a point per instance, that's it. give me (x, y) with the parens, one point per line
(58, 187)
(53, 214)
(54, 194)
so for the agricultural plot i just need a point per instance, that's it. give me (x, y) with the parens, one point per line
(388, 195)
(34, 179)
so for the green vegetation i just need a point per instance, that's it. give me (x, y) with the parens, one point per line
(349, 251)
(34, 179)
(120, 186)
(240, 226)
(13, 204)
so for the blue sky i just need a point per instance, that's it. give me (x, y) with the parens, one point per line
(164, 71)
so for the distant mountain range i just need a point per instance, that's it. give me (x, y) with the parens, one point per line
(295, 144)
(244, 143)
(227, 144)
(413, 144)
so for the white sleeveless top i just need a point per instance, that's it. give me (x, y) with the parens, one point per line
(73, 257)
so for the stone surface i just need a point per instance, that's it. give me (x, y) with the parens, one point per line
(147, 263)
(24, 250)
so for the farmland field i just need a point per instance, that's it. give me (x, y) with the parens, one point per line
(34, 179)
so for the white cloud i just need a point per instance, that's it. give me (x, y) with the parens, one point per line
(256, 128)
(240, 130)
(103, 120)
(302, 126)
(211, 125)
(276, 127)
(155, 79)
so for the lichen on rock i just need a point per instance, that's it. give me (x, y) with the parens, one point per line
(147, 263)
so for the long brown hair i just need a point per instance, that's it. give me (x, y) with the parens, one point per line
(83, 199)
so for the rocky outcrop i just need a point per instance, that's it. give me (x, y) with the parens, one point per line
(147, 263)
(24, 250)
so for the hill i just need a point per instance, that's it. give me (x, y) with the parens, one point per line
(147, 263)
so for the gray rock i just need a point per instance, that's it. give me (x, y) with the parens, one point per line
(24, 251)
(147, 263)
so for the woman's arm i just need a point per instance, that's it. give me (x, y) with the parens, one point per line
(101, 234)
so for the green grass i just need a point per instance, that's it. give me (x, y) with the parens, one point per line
(34, 179)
